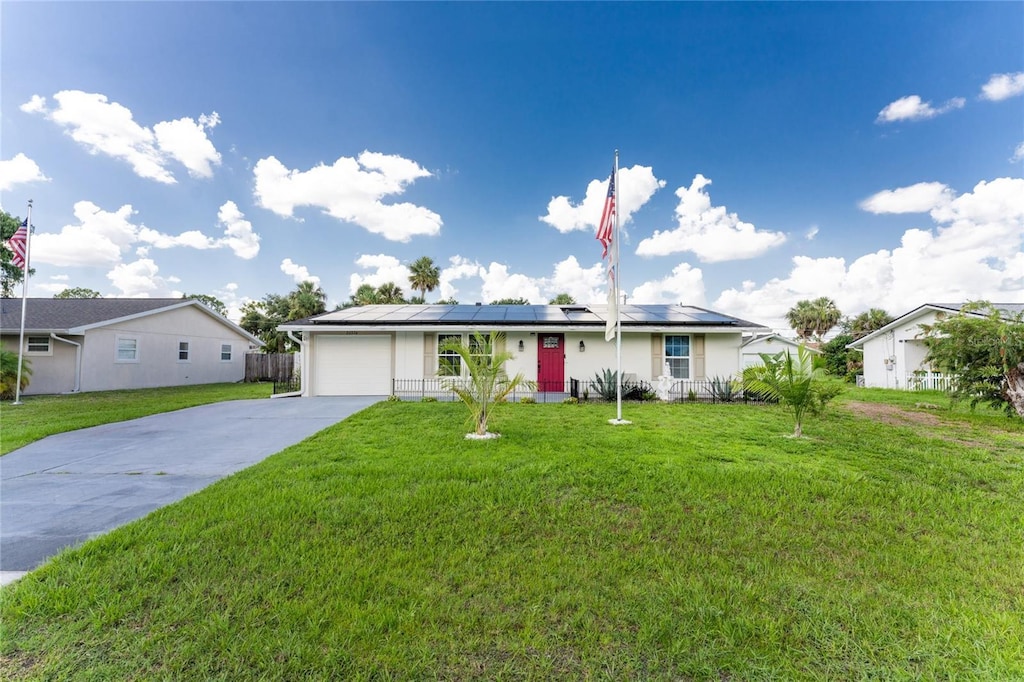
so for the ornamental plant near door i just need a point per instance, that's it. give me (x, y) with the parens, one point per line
(487, 382)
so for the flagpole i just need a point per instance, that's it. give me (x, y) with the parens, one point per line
(24, 295)
(618, 317)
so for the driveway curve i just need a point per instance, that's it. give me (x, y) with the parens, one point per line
(67, 488)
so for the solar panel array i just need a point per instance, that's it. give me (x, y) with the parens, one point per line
(524, 315)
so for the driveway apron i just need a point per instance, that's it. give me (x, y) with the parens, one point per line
(67, 488)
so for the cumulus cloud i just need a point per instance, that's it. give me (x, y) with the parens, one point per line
(1003, 86)
(382, 269)
(685, 284)
(351, 190)
(238, 232)
(710, 232)
(109, 128)
(636, 187)
(972, 252)
(499, 283)
(19, 170)
(811, 233)
(919, 198)
(228, 295)
(1018, 153)
(458, 268)
(140, 280)
(299, 273)
(912, 108)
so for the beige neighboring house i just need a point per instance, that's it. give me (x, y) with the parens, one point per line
(770, 344)
(101, 344)
(377, 349)
(894, 355)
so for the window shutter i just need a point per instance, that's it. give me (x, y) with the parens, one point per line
(698, 357)
(657, 355)
(429, 355)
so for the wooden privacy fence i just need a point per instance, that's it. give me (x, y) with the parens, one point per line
(278, 367)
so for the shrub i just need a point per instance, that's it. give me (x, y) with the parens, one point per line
(393, 399)
(9, 374)
(571, 401)
(725, 389)
(428, 399)
(527, 400)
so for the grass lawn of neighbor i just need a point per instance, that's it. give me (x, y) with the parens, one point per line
(700, 543)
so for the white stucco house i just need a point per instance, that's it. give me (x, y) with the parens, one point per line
(371, 350)
(769, 343)
(101, 344)
(894, 355)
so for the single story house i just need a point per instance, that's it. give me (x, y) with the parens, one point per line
(101, 344)
(377, 349)
(771, 344)
(894, 354)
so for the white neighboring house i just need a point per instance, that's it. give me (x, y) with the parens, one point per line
(375, 349)
(102, 344)
(895, 352)
(770, 344)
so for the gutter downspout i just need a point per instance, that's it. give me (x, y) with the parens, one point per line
(78, 360)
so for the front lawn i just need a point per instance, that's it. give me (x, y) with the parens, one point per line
(45, 415)
(698, 543)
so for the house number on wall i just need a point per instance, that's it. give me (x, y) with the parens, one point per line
(550, 342)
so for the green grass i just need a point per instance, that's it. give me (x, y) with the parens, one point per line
(698, 543)
(42, 416)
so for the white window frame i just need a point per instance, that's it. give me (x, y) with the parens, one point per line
(675, 370)
(134, 348)
(230, 352)
(184, 346)
(35, 337)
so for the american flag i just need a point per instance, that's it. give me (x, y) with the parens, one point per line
(17, 245)
(607, 224)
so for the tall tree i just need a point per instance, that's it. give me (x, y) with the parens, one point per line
(983, 348)
(802, 319)
(510, 301)
(307, 300)
(563, 299)
(77, 292)
(10, 274)
(211, 302)
(261, 319)
(424, 276)
(389, 292)
(813, 319)
(366, 294)
(867, 322)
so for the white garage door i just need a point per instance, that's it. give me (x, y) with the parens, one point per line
(352, 365)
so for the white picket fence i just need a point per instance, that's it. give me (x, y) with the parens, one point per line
(929, 381)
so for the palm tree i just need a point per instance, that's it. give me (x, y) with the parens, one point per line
(801, 318)
(9, 374)
(867, 322)
(793, 381)
(366, 294)
(488, 383)
(826, 316)
(390, 293)
(424, 276)
(306, 301)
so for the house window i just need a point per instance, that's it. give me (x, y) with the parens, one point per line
(37, 345)
(480, 347)
(677, 355)
(225, 352)
(127, 349)
(183, 351)
(449, 364)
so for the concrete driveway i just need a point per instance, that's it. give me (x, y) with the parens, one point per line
(67, 488)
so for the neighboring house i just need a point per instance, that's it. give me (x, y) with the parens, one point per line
(894, 353)
(100, 344)
(369, 350)
(767, 343)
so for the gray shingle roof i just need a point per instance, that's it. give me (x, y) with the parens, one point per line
(55, 314)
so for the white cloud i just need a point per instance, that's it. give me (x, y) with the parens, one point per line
(458, 268)
(974, 251)
(350, 190)
(911, 108)
(140, 280)
(232, 301)
(1018, 153)
(919, 198)
(109, 128)
(1003, 86)
(238, 233)
(636, 187)
(710, 232)
(299, 273)
(19, 170)
(498, 283)
(585, 285)
(684, 285)
(384, 269)
(811, 233)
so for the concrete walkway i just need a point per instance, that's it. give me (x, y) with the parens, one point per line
(67, 488)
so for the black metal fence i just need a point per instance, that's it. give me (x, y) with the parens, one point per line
(583, 390)
(289, 385)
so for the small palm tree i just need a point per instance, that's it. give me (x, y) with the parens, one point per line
(9, 374)
(487, 384)
(424, 276)
(867, 322)
(793, 381)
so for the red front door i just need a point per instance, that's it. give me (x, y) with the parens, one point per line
(550, 363)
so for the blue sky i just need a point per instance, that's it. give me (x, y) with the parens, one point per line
(871, 152)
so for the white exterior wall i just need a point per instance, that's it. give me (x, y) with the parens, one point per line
(751, 353)
(52, 372)
(408, 360)
(903, 347)
(722, 355)
(157, 342)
